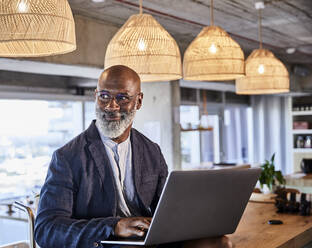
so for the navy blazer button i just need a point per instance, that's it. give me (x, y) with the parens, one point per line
(95, 244)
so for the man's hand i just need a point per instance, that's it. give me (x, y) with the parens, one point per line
(132, 226)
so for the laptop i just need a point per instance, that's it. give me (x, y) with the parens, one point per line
(198, 204)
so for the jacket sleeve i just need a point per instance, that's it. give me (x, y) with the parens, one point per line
(54, 225)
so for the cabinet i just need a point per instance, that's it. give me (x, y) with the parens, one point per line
(301, 124)
(302, 136)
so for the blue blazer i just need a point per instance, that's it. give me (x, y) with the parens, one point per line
(78, 200)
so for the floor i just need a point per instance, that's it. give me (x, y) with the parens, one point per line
(12, 231)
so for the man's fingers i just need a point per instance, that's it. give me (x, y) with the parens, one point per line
(149, 219)
(141, 224)
(135, 231)
(137, 226)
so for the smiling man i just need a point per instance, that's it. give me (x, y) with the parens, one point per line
(107, 181)
(102, 182)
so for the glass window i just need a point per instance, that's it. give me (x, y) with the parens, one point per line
(190, 142)
(210, 140)
(228, 140)
(30, 131)
(89, 112)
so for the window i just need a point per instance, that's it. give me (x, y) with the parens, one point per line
(190, 142)
(30, 131)
(229, 141)
(198, 147)
(89, 113)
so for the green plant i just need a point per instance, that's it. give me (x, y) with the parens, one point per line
(269, 175)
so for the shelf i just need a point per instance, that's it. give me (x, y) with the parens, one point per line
(196, 129)
(302, 113)
(302, 150)
(302, 131)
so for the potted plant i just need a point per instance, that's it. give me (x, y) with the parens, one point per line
(269, 176)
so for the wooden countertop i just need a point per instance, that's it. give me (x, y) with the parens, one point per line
(254, 231)
(299, 179)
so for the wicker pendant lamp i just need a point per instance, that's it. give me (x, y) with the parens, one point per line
(265, 74)
(213, 56)
(32, 28)
(145, 46)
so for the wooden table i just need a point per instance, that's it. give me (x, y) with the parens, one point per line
(253, 230)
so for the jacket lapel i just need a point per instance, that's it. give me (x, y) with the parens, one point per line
(137, 157)
(137, 163)
(101, 160)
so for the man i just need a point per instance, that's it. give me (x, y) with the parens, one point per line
(102, 178)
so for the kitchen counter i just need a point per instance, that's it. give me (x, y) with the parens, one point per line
(300, 181)
(254, 231)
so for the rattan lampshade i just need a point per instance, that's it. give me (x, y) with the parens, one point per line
(213, 56)
(31, 28)
(265, 74)
(145, 46)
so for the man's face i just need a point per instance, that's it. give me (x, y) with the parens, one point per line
(117, 100)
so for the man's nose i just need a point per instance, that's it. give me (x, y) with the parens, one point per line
(113, 105)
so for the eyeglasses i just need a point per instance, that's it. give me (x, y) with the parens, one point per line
(121, 98)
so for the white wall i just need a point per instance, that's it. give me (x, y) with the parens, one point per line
(154, 118)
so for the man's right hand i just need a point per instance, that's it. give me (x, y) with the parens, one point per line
(132, 226)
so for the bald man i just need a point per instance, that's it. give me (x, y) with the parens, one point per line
(107, 181)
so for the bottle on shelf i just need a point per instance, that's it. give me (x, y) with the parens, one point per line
(299, 142)
(308, 142)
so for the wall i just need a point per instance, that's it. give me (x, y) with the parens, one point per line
(154, 118)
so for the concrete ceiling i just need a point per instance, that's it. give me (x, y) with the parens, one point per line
(286, 23)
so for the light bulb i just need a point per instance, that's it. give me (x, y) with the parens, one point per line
(22, 6)
(141, 45)
(261, 69)
(213, 48)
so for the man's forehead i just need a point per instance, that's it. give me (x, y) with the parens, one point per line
(118, 84)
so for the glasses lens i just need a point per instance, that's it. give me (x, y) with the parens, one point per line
(104, 96)
(122, 99)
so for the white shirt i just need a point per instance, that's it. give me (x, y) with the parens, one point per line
(120, 156)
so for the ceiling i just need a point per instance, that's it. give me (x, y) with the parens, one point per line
(286, 23)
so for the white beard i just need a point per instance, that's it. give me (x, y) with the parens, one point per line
(113, 129)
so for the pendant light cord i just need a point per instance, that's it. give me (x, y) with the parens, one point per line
(260, 28)
(204, 103)
(211, 13)
(141, 8)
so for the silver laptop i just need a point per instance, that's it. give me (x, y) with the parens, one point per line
(198, 204)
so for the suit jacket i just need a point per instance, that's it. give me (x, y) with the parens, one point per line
(78, 200)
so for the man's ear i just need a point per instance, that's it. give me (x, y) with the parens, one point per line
(140, 100)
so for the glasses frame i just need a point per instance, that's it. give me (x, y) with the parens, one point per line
(113, 96)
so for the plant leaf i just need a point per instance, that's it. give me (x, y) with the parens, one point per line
(272, 158)
(279, 177)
